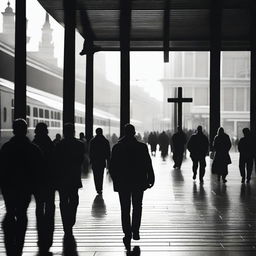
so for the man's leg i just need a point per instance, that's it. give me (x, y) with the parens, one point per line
(202, 169)
(125, 203)
(249, 166)
(242, 168)
(136, 213)
(194, 167)
(98, 173)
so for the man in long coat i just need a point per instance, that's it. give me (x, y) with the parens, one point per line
(132, 173)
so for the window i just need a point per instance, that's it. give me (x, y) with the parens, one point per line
(28, 122)
(201, 64)
(12, 102)
(189, 64)
(201, 97)
(35, 112)
(35, 122)
(240, 99)
(228, 99)
(52, 115)
(41, 112)
(28, 110)
(5, 114)
(46, 113)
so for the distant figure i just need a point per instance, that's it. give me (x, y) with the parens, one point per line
(198, 145)
(45, 190)
(245, 148)
(221, 146)
(152, 141)
(132, 173)
(21, 161)
(99, 157)
(179, 141)
(57, 139)
(69, 156)
(85, 165)
(163, 141)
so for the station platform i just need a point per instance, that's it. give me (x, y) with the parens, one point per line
(181, 217)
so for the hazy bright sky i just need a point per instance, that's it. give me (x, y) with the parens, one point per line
(146, 67)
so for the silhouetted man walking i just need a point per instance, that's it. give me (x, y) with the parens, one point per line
(21, 161)
(69, 156)
(132, 173)
(246, 147)
(179, 141)
(198, 145)
(45, 190)
(99, 157)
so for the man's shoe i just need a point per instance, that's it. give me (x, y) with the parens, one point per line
(201, 181)
(194, 176)
(243, 179)
(136, 236)
(248, 181)
(127, 243)
(224, 180)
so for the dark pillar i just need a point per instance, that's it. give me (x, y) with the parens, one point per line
(69, 63)
(215, 68)
(89, 96)
(125, 19)
(253, 68)
(20, 60)
(125, 90)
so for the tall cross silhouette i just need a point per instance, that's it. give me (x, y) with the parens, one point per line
(179, 100)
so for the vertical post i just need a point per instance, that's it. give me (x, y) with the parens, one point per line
(180, 107)
(253, 68)
(89, 95)
(69, 63)
(20, 61)
(215, 24)
(125, 20)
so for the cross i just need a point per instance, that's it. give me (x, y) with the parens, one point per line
(179, 100)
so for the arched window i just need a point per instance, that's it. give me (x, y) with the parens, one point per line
(5, 114)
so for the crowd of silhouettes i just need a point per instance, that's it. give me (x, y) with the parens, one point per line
(42, 167)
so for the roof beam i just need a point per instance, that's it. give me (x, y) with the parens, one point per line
(166, 30)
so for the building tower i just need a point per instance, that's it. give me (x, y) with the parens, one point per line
(8, 34)
(46, 46)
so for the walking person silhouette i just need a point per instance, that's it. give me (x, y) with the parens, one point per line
(221, 146)
(21, 162)
(198, 146)
(69, 156)
(246, 148)
(132, 173)
(99, 157)
(45, 190)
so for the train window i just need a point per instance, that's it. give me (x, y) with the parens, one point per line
(46, 113)
(41, 112)
(81, 120)
(35, 112)
(28, 110)
(52, 123)
(47, 123)
(28, 122)
(58, 115)
(12, 115)
(12, 102)
(52, 115)
(5, 114)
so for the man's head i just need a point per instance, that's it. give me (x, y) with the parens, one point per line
(246, 131)
(99, 131)
(68, 130)
(199, 129)
(41, 129)
(19, 127)
(129, 130)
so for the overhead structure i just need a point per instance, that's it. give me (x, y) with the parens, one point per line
(162, 25)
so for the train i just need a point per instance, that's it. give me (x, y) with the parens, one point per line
(46, 107)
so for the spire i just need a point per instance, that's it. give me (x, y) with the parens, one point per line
(8, 9)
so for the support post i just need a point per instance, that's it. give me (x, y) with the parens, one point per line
(215, 43)
(69, 63)
(253, 68)
(125, 20)
(89, 95)
(20, 96)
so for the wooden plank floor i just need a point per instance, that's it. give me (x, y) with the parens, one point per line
(180, 217)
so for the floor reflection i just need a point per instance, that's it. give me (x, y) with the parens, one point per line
(98, 207)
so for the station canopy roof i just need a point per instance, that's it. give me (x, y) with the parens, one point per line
(183, 24)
